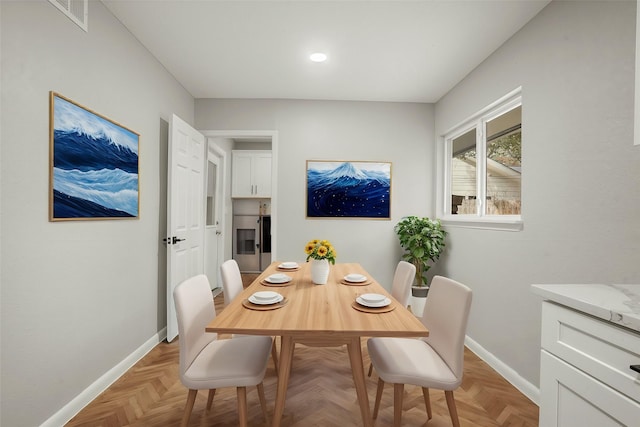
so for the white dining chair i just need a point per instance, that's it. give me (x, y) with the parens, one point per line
(402, 281)
(231, 288)
(432, 362)
(209, 363)
(231, 280)
(401, 287)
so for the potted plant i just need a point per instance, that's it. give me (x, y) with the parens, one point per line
(423, 242)
(321, 253)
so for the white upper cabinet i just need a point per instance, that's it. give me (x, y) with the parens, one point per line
(251, 173)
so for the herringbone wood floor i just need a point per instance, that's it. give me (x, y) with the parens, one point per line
(321, 393)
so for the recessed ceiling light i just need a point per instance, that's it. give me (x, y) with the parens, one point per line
(318, 57)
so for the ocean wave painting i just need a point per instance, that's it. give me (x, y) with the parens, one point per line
(94, 170)
(348, 189)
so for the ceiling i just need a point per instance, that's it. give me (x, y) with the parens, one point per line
(398, 50)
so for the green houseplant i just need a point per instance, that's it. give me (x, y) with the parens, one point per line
(423, 242)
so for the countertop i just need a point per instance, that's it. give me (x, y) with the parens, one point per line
(618, 304)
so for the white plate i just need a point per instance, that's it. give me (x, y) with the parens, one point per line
(263, 302)
(373, 298)
(289, 265)
(383, 303)
(265, 295)
(355, 278)
(278, 278)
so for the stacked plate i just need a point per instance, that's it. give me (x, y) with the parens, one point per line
(289, 265)
(278, 278)
(355, 278)
(265, 298)
(373, 300)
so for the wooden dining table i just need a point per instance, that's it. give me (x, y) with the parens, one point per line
(318, 315)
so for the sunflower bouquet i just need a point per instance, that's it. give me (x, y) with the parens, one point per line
(320, 249)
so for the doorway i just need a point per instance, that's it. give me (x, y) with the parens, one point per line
(226, 142)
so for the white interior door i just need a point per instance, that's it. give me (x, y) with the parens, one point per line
(185, 212)
(214, 222)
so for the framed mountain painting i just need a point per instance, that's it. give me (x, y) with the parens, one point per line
(347, 189)
(93, 172)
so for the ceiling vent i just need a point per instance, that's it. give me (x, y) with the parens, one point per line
(76, 10)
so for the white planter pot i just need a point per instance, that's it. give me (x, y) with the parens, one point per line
(417, 305)
(319, 271)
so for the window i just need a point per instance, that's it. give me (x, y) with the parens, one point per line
(212, 208)
(483, 168)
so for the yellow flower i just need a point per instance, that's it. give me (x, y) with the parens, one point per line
(320, 249)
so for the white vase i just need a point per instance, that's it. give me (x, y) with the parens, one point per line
(319, 271)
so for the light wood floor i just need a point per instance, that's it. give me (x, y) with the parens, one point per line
(321, 393)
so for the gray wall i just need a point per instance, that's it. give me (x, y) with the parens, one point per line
(401, 133)
(77, 297)
(581, 172)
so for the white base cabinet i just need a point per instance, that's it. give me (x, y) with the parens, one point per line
(585, 375)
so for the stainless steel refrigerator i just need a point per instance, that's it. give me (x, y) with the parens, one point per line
(252, 242)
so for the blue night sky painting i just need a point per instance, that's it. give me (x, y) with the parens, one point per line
(348, 189)
(95, 165)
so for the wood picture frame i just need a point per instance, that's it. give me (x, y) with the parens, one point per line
(93, 164)
(348, 189)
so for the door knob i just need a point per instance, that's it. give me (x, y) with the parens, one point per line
(175, 240)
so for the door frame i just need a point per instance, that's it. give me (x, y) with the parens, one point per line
(227, 215)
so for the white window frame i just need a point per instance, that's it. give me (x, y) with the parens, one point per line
(477, 121)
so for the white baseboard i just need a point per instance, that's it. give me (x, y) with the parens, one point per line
(70, 410)
(528, 389)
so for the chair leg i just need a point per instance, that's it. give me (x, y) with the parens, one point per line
(212, 392)
(263, 401)
(427, 401)
(451, 403)
(370, 369)
(398, 392)
(191, 398)
(378, 397)
(274, 355)
(242, 406)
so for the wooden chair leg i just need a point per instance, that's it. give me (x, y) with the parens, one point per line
(398, 392)
(274, 355)
(427, 401)
(378, 397)
(242, 406)
(370, 369)
(212, 392)
(451, 403)
(263, 401)
(191, 398)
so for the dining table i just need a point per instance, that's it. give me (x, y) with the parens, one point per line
(324, 315)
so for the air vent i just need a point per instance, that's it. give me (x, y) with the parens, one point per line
(76, 10)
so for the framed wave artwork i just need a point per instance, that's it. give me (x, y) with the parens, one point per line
(346, 189)
(93, 172)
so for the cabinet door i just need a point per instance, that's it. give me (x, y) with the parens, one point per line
(571, 398)
(262, 174)
(241, 181)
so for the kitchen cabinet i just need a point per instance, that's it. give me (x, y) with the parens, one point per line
(590, 340)
(251, 173)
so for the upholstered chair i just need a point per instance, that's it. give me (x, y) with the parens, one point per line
(432, 362)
